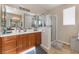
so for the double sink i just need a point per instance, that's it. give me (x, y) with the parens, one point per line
(19, 33)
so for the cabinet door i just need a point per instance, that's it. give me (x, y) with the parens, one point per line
(19, 43)
(25, 42)
(9, 45)
(0, 45)
(31, 40)
(38, 38)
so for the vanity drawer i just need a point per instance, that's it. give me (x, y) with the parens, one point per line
(19, 49)
(9, 38)
(8, 43)
(8, 46)
(12, 51)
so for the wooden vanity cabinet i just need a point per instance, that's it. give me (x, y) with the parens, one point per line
(25, 42)
(18, 43)
(0, 45)
(9, 45)
(38, 38)
(32, 40)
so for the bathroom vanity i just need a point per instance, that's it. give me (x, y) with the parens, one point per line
(15, 34)
(19, 42)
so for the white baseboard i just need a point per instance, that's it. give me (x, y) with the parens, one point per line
(64, 42)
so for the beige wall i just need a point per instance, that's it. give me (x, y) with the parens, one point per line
(65, 33)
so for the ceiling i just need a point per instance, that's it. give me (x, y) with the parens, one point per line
(37, 8)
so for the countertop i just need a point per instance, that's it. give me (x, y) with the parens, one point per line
(19, 33)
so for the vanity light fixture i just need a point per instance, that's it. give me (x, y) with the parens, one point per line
(24, 9)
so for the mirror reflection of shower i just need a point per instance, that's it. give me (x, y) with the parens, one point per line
(37, 22)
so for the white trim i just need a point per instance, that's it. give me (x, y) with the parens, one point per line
(63, 42)
(66, 43)
(56, 26)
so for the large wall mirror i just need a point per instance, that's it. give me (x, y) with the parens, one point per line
(11, 18)
(0, 18)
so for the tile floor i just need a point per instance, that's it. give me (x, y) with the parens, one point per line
(65, 50)
(37, 50)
